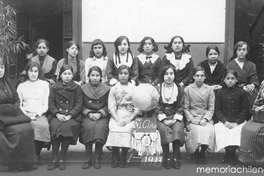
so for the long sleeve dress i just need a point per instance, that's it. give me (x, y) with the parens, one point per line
(184, 66)
(36, 101)
(199, 103)
(120, 101)
(95, 100)
(173, 109)
(148, 68)
(66, 100)
(17, 146)
(231, 105)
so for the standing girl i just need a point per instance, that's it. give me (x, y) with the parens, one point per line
(246, 70)
(177, 56)
(48, 64)
(97, 58)
(170, 113)
(122, 56)
(122, 118)
(94, 127)
(34, 104)
(231, 109)
(65, 106)
(199, 106)
(72, 59)
(148, 62)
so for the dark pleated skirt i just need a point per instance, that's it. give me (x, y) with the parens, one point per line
(70, 128)
(251, 150)
(17, 147)
(172, 133)
(94, 131)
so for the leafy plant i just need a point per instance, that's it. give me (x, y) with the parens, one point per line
(9, 43)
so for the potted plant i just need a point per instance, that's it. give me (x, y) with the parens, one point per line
(10, 44)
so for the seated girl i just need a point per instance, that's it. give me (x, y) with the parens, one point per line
(170, 117)
(231, 109)
(65, 106)
(122, 113)
(199, 106)
(34, 97)
(95, 118)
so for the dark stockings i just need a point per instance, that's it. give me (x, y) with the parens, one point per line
(65, 142)
(166, 151)
(98, 149)
(176, 149)
(88, 149)
(39, 145)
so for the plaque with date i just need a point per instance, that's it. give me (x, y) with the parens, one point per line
(151, 162)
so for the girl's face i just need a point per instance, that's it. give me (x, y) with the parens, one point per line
(148, 47)
(242, 52)
(72, 51)
(177, 45)
(199, 78)
(230, 80)
(212, 56)
(2, 70)
(169, 76)
(33, 74)
(123, 47)
(42, 49)
(66, 76)
(123, 76)
(95, 77)
(98, 51)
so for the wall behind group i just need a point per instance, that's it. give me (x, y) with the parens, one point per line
(200, 23)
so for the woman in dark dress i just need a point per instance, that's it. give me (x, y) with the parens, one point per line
(17, 148)
(94, 127)
(65, 106)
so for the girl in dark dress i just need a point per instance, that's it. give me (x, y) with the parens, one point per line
(95, 118)
(170, 117)
(16, 134)
(65, 106)
(177, 56)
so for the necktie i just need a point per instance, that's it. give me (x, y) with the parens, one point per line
(148, 58)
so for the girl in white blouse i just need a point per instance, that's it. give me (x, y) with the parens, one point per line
(33, 95)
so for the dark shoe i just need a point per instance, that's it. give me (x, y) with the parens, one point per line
(176, 164)
(167, 163)
(87, 164)
(123, 163)
(53, 165)
(225, 160)
(35, 166)
(114, 163)
(62, 165)
(97, 164)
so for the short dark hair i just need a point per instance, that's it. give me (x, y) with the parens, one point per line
(41, 41)
(98, 42)
(165, 69)
(155, 45)
(169, 49)
(95, 68)
(122, 67)
(63, 68)
(213, 47)
(29, 66)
